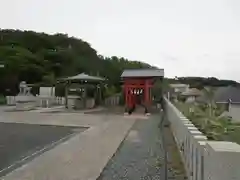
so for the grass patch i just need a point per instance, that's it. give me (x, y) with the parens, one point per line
(175, 164)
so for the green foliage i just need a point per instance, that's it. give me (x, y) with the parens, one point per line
(197, 85)
(2, 100)
(157, 89)
(166, 85)
(219, 110)
(122, 99)
(60, 90)
(214, 127)
(38, 57)
(49, 79)
(203, 107)
(110, 91)
(181, 98)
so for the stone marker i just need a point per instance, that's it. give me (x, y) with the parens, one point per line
(25, 100)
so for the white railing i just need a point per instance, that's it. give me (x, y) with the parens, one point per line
(11, 100)
(112, 101)
(203, 159)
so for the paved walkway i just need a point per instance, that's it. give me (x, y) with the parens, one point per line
(82, 157)
(60, 119)
(140, 155)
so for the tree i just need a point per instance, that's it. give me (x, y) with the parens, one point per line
(209, 94)
(49, 79)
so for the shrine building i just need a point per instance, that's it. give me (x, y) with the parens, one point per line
(137, 85)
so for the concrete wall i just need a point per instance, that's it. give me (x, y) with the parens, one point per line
(203, 159)
(234, 112)
(47, 91)
(41, 101)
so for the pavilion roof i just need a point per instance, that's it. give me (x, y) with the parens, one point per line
(85, 77)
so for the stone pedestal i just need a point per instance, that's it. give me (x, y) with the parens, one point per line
(90, 103)
(72, 102)
(46, 102)
(25, 100)
(25, 106)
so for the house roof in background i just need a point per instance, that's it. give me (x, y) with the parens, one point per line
(179, 85)
(192, 92)
(224, 94)
(143, 73)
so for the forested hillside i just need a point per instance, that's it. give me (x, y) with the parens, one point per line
(201, 82)
(39, 57)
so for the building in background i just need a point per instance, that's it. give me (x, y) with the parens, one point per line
(179, 88)
(191, 95)
(230, 98)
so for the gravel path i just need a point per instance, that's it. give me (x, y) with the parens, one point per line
(140, 156)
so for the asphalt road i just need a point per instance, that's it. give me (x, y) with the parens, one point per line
(20, 143)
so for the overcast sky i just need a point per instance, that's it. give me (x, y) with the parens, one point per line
(185, 37)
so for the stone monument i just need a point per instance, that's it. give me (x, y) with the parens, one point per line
(46, 97)
(25, 100)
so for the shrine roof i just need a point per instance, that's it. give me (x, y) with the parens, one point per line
(143, 73)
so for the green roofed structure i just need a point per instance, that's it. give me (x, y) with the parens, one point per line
(82, 91)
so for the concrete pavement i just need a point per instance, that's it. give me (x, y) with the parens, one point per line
(82, 157)
(20, 143)
(59, 119)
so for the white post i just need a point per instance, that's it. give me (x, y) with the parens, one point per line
(221, 160)
(47, 103)
(201, 146)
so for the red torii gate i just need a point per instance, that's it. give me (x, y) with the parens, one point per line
(138, 83)
(134, 87)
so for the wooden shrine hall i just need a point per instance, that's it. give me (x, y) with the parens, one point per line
(137, 85)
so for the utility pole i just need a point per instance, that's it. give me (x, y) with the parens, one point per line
(2, 66)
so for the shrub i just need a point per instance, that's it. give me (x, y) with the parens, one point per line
(2, 100)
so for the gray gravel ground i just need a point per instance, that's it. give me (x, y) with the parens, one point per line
(140, 157)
